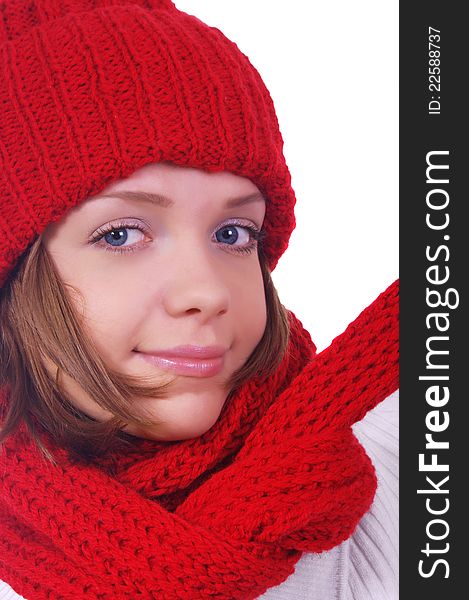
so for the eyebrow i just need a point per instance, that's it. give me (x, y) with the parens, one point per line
(165, 202)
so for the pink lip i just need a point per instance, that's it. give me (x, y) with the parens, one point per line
(192, 361)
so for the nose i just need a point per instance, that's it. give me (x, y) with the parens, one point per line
(197, 285)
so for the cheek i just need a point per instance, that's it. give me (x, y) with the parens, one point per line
(109, 313)
(252, 310)
(76, 395)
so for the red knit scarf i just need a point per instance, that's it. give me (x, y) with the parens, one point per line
(226, 515)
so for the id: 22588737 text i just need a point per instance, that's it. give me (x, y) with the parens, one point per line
(434, 71)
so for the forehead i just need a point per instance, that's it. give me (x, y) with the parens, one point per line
(168, 189)
(176, 182)
(162, 201)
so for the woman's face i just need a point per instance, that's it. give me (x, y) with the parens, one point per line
(180, 269)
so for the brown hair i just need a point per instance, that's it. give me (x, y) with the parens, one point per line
(39, 321)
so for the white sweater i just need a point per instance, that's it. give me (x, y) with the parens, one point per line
(364, 567)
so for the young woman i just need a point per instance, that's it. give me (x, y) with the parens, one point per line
(167, 428)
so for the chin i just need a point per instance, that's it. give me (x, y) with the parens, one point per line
(171, 432)
(182, 418)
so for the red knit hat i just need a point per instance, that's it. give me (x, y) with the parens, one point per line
(92, 90)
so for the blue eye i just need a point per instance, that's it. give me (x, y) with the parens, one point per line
(239, 237)
(114, 238)
(229, 234)
(234, 237)
(121, 239)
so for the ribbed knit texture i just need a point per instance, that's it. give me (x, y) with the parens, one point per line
(226, 515)
(373, 552)
(365, 566)
(91, 90)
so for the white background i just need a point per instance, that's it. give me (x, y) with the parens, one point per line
(332, 71)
